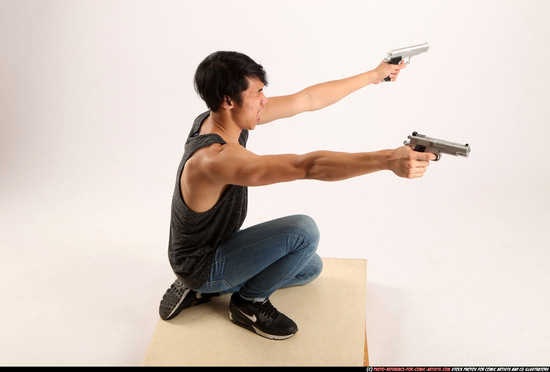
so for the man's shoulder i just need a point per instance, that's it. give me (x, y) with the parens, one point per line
(216, 153)
(227, 154)
(206, 153)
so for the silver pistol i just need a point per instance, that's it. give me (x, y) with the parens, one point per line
(395, 56)
(422, 143)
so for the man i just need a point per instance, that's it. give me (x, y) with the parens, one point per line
(208, 251)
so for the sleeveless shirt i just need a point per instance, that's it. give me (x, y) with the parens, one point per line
(195, 236)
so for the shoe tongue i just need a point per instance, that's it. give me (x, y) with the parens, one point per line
(260, 303)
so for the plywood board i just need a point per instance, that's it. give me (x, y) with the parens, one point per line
(329, 312)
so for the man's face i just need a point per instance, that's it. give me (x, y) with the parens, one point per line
(253, 101)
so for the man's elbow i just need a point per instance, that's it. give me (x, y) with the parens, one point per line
(308, 168)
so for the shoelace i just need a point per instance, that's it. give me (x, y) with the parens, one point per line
(268, 309)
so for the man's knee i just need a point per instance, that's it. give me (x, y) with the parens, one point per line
(309, 273)
(307, 226)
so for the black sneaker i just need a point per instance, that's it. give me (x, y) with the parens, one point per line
(261, 318)
(177, 298)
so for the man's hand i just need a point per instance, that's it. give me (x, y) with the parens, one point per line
(386, 69)
(407, 163)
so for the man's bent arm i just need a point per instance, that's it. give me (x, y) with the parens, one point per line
(325, 94)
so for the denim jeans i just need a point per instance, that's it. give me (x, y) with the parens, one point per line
(263, 258)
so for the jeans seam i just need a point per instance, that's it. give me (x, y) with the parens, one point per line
(271, 237)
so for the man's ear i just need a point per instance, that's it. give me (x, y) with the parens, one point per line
(227, 103)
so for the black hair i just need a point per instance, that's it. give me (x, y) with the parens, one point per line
(224, 74)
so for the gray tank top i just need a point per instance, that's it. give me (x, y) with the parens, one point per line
(195, 236)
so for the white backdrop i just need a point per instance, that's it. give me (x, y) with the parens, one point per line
(96, 98)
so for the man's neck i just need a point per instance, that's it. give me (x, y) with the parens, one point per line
(222, 123)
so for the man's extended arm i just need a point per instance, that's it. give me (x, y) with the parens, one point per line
(325, 94)
(235, 165)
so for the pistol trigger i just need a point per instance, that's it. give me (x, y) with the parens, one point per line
(407, 60)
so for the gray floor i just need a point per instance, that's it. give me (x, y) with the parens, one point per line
(82, 282)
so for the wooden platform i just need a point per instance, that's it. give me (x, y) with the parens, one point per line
(330, 313)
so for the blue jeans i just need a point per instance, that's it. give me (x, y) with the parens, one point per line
(263, 258)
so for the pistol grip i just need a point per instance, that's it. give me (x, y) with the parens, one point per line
(393, 61)
(422, 148)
